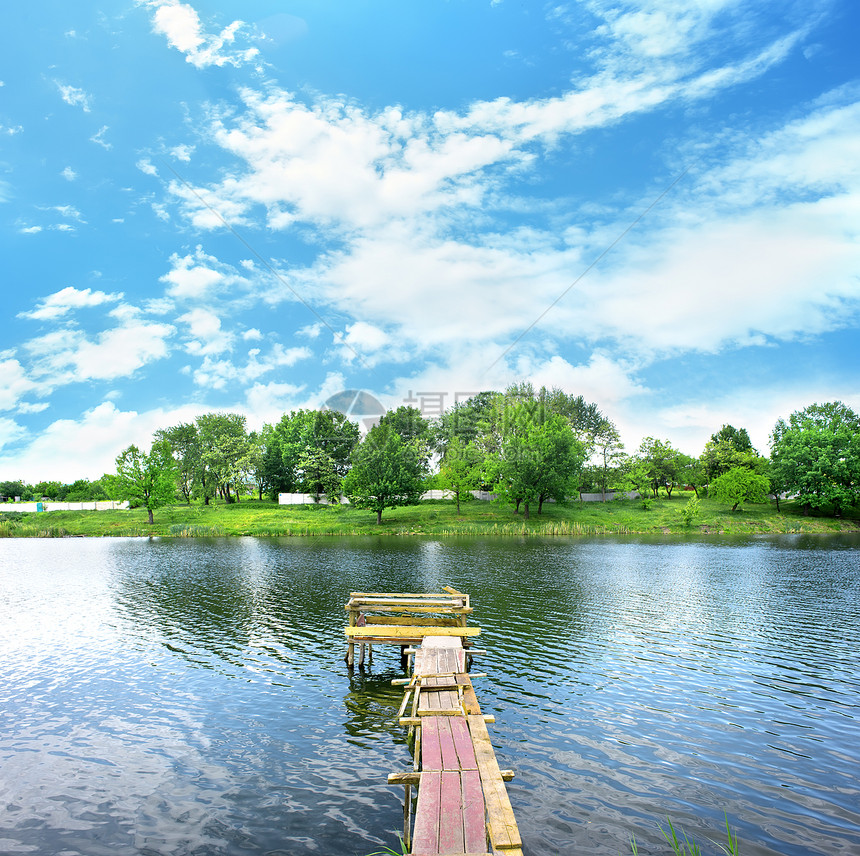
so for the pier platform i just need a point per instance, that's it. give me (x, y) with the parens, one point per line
(462, 805)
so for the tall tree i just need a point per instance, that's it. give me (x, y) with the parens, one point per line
(664, 464)
(302, 432)
(463, 420)
(385, 473)
(540, 459)
(224, 455)
(608, 450)
(816, 455)
(460, 470)
(146, 478)
(729, 447)
(184, 441)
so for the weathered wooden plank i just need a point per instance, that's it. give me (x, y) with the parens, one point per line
(425, 836)
(446, 744)
(404, 703)
(462, 743)
(410, 620)
(440, 610)
(474, 812)
(411, 777)
(423, 602)
(501, 824)
(432, 594)
(431, 749)
(451, 813)
(397, 632)
(441, 642)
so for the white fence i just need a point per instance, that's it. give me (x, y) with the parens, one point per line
(50, 505)
(305, 499)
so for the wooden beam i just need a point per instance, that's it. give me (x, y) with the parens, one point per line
(395, 632)
(410, 778)
(501, 824)
(410, 620)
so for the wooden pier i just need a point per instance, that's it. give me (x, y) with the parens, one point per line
(462, 805)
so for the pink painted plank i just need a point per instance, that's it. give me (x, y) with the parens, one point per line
(431, 752)
(451, 815)
(474, 823)
(463, 743)
(446, 740)
(425, 835)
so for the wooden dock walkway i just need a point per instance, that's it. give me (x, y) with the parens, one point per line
(462, 805)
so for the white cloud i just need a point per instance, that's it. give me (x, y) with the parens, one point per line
(252, 335)
(268, 402)
(99, 140)
(181, 26)
(218, 373)
(87, 447)
(146, 166)
(62, 302)
(182, 152)
(10, 431)
(311, 331)
(67, 355)
(753, 407)
(193, 276)
(69, 174)
(14, 384)
(208, 338)
(74, 96)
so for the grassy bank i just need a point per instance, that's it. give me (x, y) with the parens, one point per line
(251, 517)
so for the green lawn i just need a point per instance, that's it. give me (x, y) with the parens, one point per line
(252, 517)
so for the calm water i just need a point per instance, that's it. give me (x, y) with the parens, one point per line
(189, 697)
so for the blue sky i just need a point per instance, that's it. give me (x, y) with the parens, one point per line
(253, 205)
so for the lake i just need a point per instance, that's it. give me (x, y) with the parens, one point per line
(189, 696)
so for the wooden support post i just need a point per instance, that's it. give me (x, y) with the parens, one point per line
(350, 648)
(407, 818)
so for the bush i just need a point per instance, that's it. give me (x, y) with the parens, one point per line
(691, 511)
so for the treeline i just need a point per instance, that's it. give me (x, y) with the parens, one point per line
(526, 445)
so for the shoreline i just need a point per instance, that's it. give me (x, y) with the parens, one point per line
(438, 518)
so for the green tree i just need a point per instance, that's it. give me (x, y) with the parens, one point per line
(184, 441)
(319, 472)
(385, 473)
(608, 450)
(413, 429)
(460, 470)
(224, 454)
(540, 459)
(816, 455)
(691, 472)
(295, 436)
(740, 485)
(729, 447)
(146, 478)
(11, 489)
(49, 489)
(464, 420)
(83, 490)
(663, 462)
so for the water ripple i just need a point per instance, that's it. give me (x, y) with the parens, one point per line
(189, 697)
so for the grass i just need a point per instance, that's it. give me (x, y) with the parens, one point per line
(265, 518)
(685, 846)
